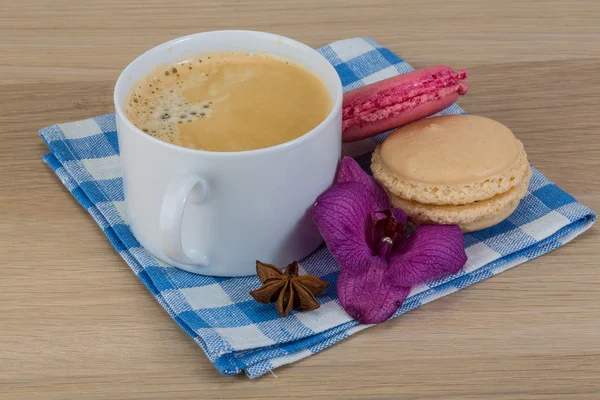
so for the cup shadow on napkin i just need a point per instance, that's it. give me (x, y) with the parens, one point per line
(238, 334)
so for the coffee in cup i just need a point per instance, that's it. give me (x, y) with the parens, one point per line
(229, 101)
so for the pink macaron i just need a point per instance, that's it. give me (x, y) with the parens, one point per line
(396, 101)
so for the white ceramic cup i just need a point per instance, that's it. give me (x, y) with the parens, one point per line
(216, 213)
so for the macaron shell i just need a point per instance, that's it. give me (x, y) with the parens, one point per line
(470, 217)
(489, 221)
(362, 93)
(466, 227)
(435, 163)
(449, 194)
(450, 150)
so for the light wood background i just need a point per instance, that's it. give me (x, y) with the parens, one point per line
(76, 323)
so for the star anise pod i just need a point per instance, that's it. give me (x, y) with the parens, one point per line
(288, 289)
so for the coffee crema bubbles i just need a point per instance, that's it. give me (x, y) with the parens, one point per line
(158, 105)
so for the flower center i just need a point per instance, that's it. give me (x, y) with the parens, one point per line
(387, 232)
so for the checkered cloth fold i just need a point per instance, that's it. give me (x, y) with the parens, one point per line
(239, 334)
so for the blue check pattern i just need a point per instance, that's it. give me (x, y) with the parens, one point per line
(238, 334)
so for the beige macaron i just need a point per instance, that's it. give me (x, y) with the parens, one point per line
(459, 169)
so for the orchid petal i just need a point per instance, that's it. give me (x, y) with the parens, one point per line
(400, 215)
(365, 294)
(342, 215)
(430, 252)
(350, 171)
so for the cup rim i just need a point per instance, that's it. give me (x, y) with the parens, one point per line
(337, 103)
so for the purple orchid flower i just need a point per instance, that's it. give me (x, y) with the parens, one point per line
(379, 260)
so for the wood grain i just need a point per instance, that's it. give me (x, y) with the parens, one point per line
(76, 323)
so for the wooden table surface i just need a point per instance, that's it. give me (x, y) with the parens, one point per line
(76, 323)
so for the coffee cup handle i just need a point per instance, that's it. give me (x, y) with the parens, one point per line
(179, 192)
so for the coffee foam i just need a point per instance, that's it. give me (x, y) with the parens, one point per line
(157, 105)
(220, 102)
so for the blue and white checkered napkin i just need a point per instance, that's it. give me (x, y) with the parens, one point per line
(239, 334)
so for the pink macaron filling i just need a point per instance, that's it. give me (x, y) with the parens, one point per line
(390, 102)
